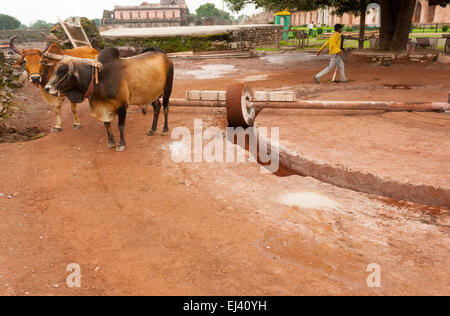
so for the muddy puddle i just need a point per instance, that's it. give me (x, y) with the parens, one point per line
(209, 71)
(289, 59)
(13, 135)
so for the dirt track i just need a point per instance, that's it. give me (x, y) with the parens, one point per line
(138, 223)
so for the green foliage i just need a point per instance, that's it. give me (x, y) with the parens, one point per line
(209, 9)
(445, 28)
(40, 24)
(174, 44)
(8, 22)
(320, 31)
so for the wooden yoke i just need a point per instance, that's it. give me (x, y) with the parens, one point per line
(91, 62)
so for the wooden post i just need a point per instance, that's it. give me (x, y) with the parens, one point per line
(278, 39)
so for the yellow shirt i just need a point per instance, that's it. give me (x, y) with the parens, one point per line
(335, 44)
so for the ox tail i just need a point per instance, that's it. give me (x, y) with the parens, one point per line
(169, 84)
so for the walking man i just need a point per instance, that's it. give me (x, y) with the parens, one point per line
(335, 44)
(311, 29)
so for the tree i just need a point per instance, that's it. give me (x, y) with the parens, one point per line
(8, 22)
(396, 18)
(209, 9)
(396, 15)
(242, 18)
(356, 7)
(40, 24)
(97, 22)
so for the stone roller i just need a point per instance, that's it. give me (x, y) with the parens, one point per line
(242, 103)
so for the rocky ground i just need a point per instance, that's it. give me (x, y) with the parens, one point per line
(11, 79)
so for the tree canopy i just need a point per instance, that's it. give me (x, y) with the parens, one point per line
(8, 22)
(40, 24)
(341, 6)
(209, 9)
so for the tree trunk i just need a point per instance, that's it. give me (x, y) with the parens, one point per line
(362, 23)
(396, 18)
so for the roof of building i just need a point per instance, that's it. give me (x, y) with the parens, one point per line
(283, 13)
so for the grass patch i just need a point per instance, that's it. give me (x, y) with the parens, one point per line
(267, 49)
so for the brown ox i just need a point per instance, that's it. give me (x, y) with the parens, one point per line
(140, 80)
(40, 69)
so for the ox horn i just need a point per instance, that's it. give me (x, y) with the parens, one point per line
(47, 43)
(71, 68)
(13, 47)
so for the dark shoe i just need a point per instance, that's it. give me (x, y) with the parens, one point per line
(317, 80)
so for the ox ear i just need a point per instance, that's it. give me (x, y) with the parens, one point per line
(75, 96)
(19, 62)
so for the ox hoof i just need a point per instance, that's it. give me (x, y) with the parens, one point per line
(151, 133)
(111, 145)
(164, 133)
(76, 126)
(120, 148)
(56, 129)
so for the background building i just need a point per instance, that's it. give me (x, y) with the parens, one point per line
(325, 17)
(165, 13)
(425, 14)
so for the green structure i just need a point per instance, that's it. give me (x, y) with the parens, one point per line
(284, 18)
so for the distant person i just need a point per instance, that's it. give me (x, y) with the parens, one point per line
(335, 44)
(311, 28)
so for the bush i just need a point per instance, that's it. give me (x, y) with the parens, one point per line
(348, 29)
(320, 31)
(445, 28)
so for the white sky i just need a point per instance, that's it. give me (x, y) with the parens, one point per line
(28, 11)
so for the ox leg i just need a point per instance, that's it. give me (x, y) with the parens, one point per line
(76, 122)
(111, 141)
(167, 93)
(122, 112)
(156, 111)
(58, 126)
(165, 131)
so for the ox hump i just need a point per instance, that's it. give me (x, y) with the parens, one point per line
(108, 55)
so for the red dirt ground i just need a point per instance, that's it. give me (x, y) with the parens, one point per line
(138, 223)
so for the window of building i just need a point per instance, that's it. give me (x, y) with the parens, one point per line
(173, 14)
(148, 15)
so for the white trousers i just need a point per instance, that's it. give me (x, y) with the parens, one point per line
(335, 60)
